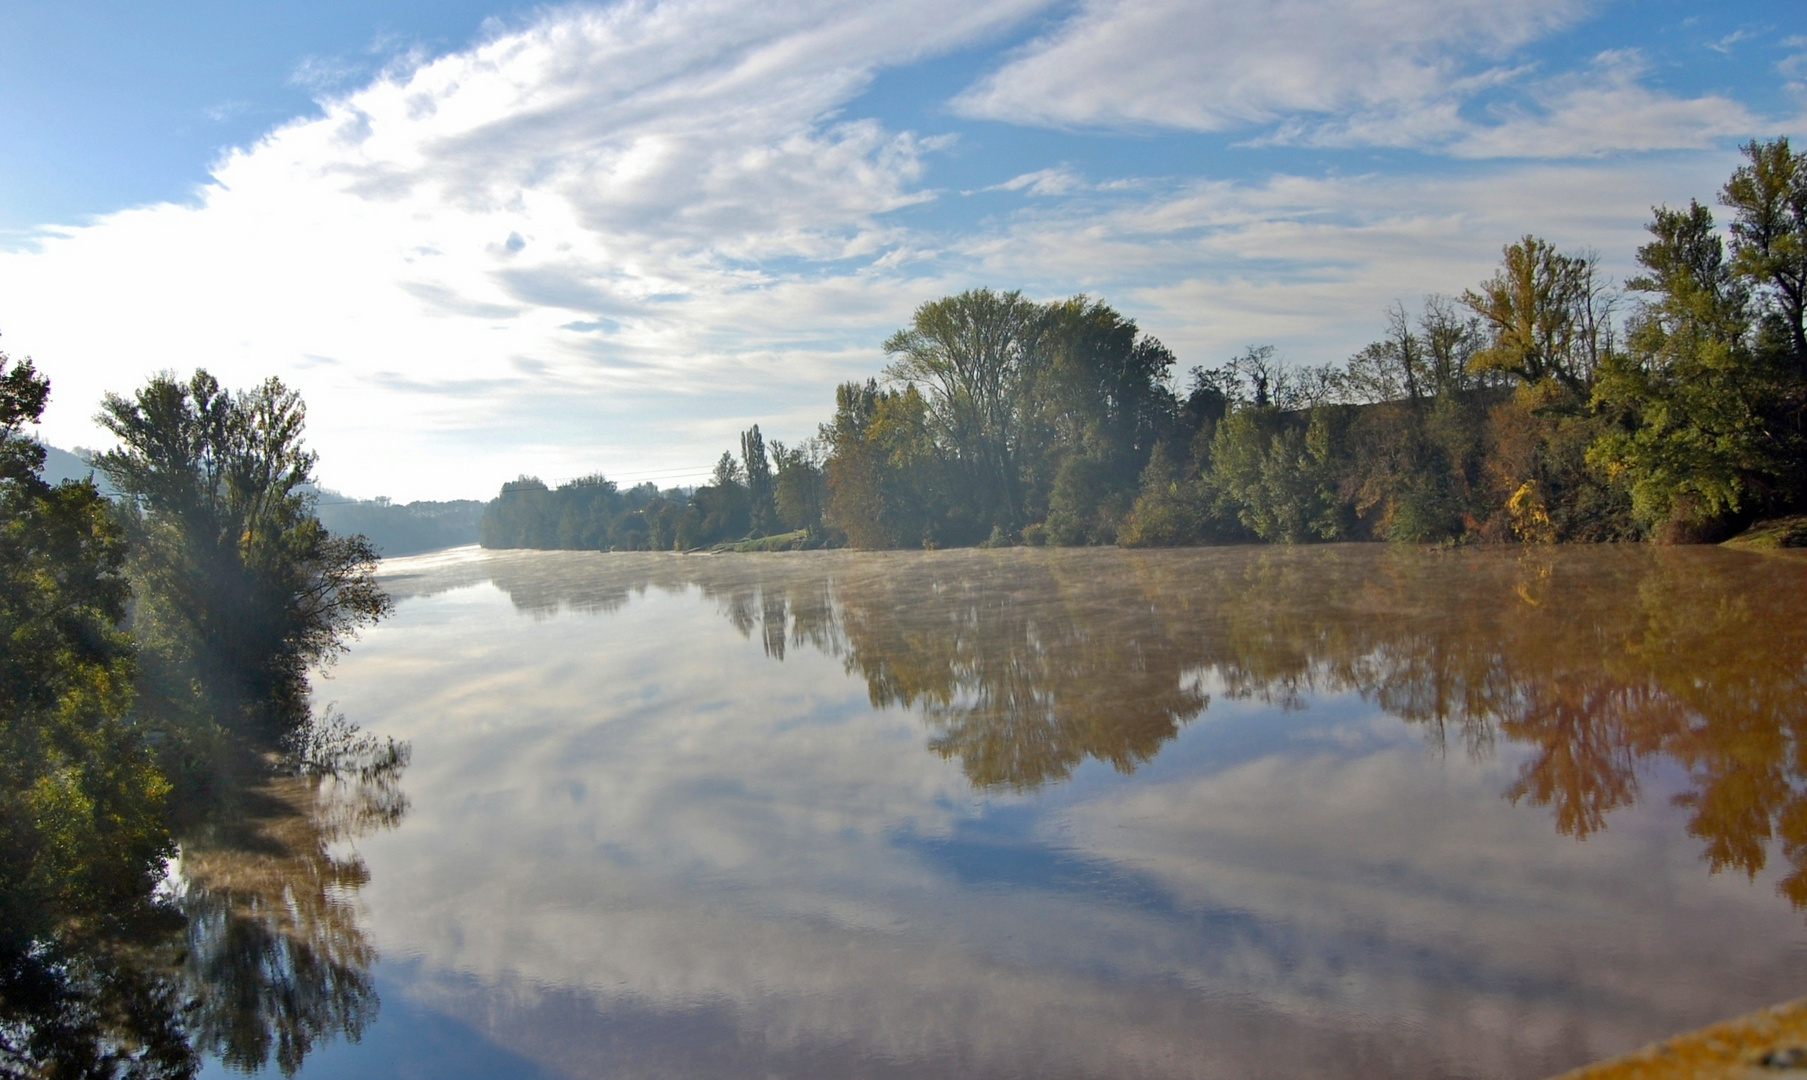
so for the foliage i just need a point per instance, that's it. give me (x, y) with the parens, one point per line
(240, 588)
(1768, 198)
(884, 470)
(1692, 442)
(1548, 316)
(755, 496)
(762, 505)
(1276, 474)
(799, 487)
(235, 590)
(1531, 408)
(981, 355)
(1708, 401)
(82, 834)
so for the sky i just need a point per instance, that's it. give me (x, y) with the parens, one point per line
(490, 239)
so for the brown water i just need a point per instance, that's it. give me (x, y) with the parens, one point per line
(1337, 811)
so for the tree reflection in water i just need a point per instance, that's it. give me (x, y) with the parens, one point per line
(275, 959)
(251, 953)
(1605, 663)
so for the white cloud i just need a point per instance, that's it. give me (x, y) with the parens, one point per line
(1724, 44)
(506, 245)
(1606, 109)
(1055, 181)
(1793, 68)
(1405, 73)
(1220, 65)
(1308, 263)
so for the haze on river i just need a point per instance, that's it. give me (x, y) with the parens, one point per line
(1239, 812)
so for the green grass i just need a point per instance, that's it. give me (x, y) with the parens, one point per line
(1788, 532)
(790, 541)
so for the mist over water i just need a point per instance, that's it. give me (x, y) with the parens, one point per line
(1335, 811)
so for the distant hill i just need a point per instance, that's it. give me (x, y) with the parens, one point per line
(395, 528)
(61, 465)
(402, 529)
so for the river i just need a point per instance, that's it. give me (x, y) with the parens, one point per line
(1344, 811)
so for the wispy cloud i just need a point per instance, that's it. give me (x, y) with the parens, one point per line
(1793, 68)
(1055, 181)
(1606, 108)
(1220, 65)
(223, 111)
(1406, 73)
(1724, 44)
(325, 74)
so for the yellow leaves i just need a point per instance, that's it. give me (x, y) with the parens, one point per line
(1530, 519)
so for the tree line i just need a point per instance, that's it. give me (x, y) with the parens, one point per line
(153, 676)
(1541, 405)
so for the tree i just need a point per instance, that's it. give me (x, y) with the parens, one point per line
(1275, 473)
(1768, 197)
(728, 472)
(241, 589)
(799, 488)
(1692, 396)
(762, 510)
(1548, 315)
(980, 355)
(82, 833)
(884, 475)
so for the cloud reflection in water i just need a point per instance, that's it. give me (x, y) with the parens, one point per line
(642, 844)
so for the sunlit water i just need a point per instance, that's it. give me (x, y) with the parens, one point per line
(1251, 812)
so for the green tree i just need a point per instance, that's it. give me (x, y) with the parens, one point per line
(1275, 472)
(762, 507)
(82, 834)
(240, 588)
(980, 354)
(798, 486)
(1169, 511)
(884, 475)
(1691, 395)
(1768, 198)
(1548, 316)
(1100, 406)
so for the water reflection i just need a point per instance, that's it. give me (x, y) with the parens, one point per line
(1605, 664)
(275, 960)
(1208, 813)
(252, 954)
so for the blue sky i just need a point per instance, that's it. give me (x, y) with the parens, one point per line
(490, 239)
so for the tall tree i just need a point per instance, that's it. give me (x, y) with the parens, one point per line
(762, 510)
(1768, 199)
(1695, 439)
(82, 834)
(885, 477)
(799, 488)
(241, 589)
(980, 355)
(1548, 315)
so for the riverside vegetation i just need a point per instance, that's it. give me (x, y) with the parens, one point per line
(1540, 406)
(154, 704)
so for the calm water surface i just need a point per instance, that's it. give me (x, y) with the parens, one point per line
(1338, 812)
